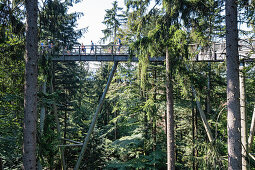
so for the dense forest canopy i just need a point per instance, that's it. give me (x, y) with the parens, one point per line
(175, 114)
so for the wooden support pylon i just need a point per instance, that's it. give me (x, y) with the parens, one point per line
(93, 122)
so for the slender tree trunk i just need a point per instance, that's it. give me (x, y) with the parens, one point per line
(65, 126)
(43, 110)
(243, 118)
(252, 129)
(55, 111)
(1, 164)
(169, 115)
(42, 119)
(30, 95)
(194, 115)
(208, 97)
(233, 92)
(115, 126)
(154, 121)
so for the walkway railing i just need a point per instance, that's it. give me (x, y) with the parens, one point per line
(216, 51)
(95, 50)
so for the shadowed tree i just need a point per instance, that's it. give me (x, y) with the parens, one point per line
(30, 96)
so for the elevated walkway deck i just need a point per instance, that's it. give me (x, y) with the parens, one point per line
(216, 52)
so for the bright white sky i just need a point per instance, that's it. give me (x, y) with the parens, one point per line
(94, 11)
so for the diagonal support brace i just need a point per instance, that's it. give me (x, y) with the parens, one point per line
(93, 123)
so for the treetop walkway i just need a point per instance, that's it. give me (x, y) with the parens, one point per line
(216, 52)
(99, 53)
(213, 53)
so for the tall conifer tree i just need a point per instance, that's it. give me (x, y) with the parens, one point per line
(233, 92)
(30, 98)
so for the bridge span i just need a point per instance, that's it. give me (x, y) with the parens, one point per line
(216, 52)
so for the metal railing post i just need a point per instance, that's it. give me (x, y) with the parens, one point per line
(80, 52)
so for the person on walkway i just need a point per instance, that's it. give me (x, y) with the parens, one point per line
(50, 47)
(92, 47)
(42, 45)
(82, 48)
(119, 43)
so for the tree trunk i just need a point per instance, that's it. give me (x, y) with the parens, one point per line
(194, 133)
(115, 126)
(55, 111)
(233, 93)
(169, 115)
(154, 119)
(1, 164)
(30, 93)
(202, 115)
(252, 129)
(243, 118)
(208, 97)
(43, 110)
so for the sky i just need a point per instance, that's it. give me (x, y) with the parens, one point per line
(94, 11)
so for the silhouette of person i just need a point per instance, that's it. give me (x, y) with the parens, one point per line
(82, 48)
(119, 43)
(92, 46)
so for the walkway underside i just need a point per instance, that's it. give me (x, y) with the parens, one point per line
(118, 58)
(127, 58)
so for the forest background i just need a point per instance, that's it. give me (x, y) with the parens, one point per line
(131, 129)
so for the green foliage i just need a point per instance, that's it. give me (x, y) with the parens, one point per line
(113, 20)
(11, 87)
(130, 131)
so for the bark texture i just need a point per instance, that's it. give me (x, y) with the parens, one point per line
(243, 118)
(30, 93)
(169, 115)
(233, 93)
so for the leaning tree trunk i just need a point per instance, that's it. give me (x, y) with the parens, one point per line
(169, 115)
(233, 93)
(30, 93)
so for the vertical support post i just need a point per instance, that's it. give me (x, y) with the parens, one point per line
(93, 122)
(214, 52)
(208, 97)
(63, 51)
(80, 52)
(96, 52)
(196, 49)
(243, 116)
